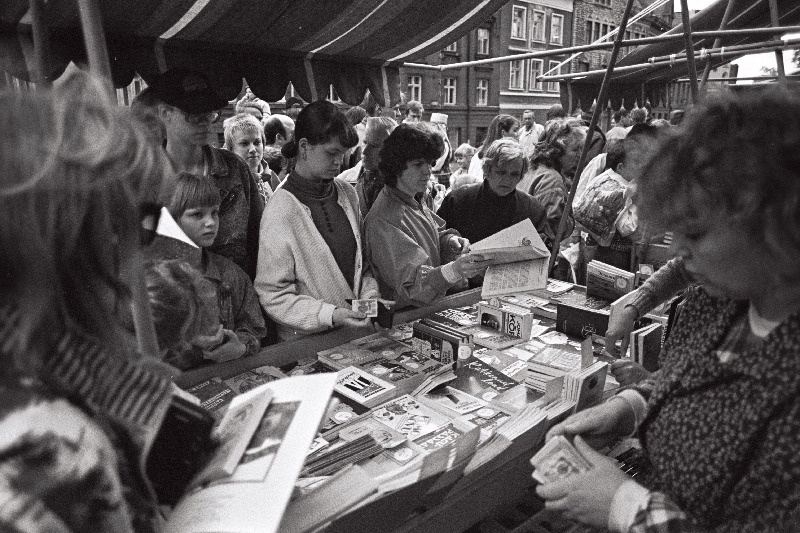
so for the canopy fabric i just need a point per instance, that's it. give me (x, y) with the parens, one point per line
(651, 83)
(353, 44)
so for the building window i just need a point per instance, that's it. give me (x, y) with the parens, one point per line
(518, 22)
(516, 74)
(452, 47)
(482, 93)
(603, 2)
(483, 41)
(557, 29)
(415, 88)
(536, 70)
(449, 91)
(553, 86)
(537, 31)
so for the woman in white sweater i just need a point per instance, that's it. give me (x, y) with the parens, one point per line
(310, 260)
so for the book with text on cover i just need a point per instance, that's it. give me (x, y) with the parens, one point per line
(519, 260)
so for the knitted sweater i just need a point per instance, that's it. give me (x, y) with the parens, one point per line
(723, 439)
(297, 280)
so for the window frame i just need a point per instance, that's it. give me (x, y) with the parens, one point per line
(553, 17)
(480, 41)
(542, 37)
(520, 85)
(553, 86)
(524, 32)
(446, 88)
(415, 88)
(452, 47)
(482, 88)
(533, 85)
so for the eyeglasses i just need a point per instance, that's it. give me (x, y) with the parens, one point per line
(199, 118)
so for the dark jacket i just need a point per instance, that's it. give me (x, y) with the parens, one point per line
(476, 212)
(240, 210)
(723, 439)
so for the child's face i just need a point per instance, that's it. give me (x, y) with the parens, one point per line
(200, 224)
(463, 161)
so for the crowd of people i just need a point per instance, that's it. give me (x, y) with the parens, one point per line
(270, 238)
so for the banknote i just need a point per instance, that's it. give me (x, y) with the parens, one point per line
(558, 459)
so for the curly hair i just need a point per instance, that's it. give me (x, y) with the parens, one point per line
(736, 156)
(499, 125)
(408, 142)
(318, 123)
(553, 146)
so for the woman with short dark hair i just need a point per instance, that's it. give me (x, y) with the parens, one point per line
(310, 260)
(414, 258)
(720, 423)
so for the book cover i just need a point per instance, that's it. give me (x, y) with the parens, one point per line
(455, 318)
(408, 416)
(275, 456)
(490, 338)
(251, 379)
(342, 412)
(214, 396)
(480, 380)
(505, 362)
(607, 282)
(579, 321)
(362, 387)
(451, 401)
(234, 433)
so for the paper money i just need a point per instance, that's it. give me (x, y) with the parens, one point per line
(557, 460)
(368, 307)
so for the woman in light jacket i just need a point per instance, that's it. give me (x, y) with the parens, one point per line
(310, 257)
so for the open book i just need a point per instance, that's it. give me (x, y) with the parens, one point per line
(254, 496)
(519, 260)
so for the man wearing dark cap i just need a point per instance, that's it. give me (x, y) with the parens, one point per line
(293, 107)
(188, 107)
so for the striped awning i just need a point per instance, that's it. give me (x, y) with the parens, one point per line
(354, 45)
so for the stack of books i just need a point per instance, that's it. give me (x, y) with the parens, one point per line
(608, 282)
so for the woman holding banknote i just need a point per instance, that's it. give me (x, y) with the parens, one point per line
(720, 423)
(310, 261)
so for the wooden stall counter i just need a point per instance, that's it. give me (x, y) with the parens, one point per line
(284, 353)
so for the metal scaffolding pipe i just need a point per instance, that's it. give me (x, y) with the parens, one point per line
(717, 41)
(676, 60)
(598, 110)
(775, 21)
(687, 37)
(603, 46)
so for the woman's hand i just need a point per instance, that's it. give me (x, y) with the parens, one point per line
(347, 317)
(586, 497)
(626, 372)
(470, 265)
(619, 328)
(599, 425)
(458, 245)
